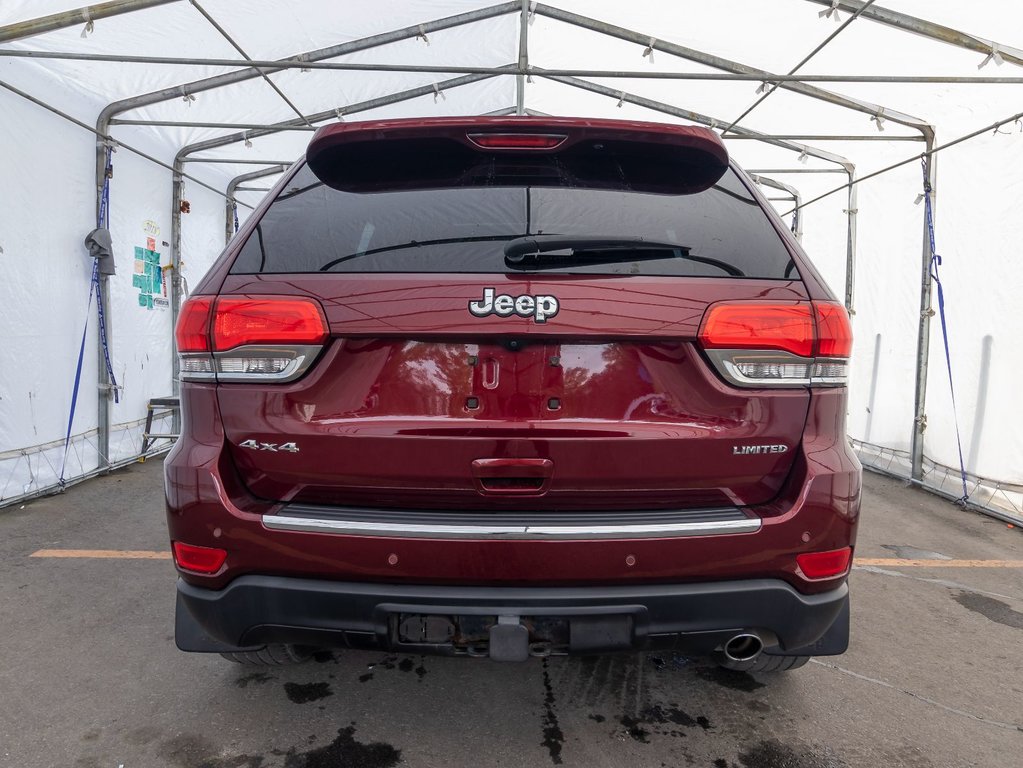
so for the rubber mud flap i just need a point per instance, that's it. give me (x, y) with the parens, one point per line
(509, 640)
(834, 642)
(189, 636)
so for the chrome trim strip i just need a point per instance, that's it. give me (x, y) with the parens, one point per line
(422, 531)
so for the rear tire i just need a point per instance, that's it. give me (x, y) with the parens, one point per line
(273, 655)
(764, 663)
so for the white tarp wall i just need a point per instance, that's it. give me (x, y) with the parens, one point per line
(47, 178)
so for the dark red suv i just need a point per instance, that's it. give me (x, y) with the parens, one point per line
(508, 387)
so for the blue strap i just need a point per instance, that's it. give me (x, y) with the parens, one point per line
(935, 263)
(78, 373)
(234, 208)
(94, 290)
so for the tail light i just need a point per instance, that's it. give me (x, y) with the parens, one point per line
(242, 338)
(205, 560)
(780, 344)
(824, 565)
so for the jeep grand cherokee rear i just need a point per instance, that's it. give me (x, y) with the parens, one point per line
(512, 387)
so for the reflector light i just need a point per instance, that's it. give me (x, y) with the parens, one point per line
(192, 332)
(772, 370)
(517, 140)
(825, 565)
(267, 320)
(206, 560)
(255, 365)
(834, 332)
(751, 325)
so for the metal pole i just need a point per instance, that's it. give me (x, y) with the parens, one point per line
(89, 13)
(796, 170)
(198, 124)
(850, 246)
(177, 187)
(234, 44)
(756, 76)
(520, 79)
(820, 46)
(104, 387)
(694, 117)
(233, 186)
(928, 29)
(230, 78)
(235, 160)
(797, 220)
(332, 114)
(824, 137)
(924, 335)
(726, 65)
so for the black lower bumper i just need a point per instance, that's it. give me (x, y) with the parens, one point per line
(691, 618)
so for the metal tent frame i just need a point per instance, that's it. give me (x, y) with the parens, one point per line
(723, 70)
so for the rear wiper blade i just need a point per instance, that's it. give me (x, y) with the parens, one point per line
(537, 252)
(533, 245)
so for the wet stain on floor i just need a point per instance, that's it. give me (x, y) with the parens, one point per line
(303, 693)
(729, 678)
(672, 714)
(553, 736)
(256, 678)
(640, 728)
(634, 728)
(345, 752)
(989, 608)
(774, 754)
(388, 662)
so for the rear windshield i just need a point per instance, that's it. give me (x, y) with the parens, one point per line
(720, 232)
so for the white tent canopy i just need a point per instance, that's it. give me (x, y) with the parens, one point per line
(196, 129)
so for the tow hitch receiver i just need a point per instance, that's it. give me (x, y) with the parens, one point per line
(509, 640)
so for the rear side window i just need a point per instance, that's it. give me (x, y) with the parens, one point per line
(463, 227)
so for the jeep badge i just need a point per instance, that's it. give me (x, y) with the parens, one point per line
(538, 307)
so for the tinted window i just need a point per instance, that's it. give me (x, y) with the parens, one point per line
(311, 227)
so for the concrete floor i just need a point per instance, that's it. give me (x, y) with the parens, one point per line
(90, 677)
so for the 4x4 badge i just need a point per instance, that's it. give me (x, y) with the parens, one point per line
(272, 447)
(539, 307)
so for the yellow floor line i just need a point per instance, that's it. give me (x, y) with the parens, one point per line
(104, 554)
(895, 562)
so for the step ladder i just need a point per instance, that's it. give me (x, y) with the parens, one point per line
(158, 405)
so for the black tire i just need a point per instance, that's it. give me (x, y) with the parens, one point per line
(764, 663)
(273, 655)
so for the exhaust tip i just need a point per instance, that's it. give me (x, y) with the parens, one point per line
(745, 646)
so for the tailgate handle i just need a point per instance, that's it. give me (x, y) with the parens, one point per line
(521, 477)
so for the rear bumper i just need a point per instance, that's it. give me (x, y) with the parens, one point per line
(691, 618)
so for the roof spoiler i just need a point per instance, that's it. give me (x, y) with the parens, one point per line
(386, 155)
